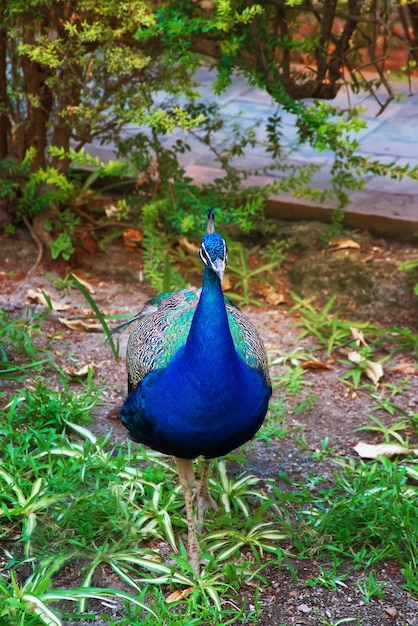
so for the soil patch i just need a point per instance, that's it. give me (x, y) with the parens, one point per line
(368, 287)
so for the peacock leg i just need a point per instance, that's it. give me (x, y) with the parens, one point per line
(202, 496)
(187, 480)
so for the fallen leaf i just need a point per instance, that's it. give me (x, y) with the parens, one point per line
(208, 5)
(342, 244)
(132, 238)
(39, 297)
(174, 596)
(355, 357)
(374, 371)
(226, 284)
(272, 297)
(81, 324)
(306, 365)
(85, 284)
(372, 451)
(358, 336)
(391, 611)
(111, 211)
(188, 246)
(85, 370)
(179, 595)
(405, 367)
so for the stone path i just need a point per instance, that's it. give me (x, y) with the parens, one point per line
(384, 206)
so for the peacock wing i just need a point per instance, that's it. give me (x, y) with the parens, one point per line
(247, 341)
(161, 329)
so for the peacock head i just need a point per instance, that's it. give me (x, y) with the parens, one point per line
(213, 250)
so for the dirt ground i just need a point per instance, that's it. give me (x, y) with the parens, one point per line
(369, 286)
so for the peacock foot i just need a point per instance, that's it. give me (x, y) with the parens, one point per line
(197, 562)
(204, 501)
(194, 554)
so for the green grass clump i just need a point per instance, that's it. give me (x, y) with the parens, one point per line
(17, 344)
(370, 512)
(68, 496)
(74, 501)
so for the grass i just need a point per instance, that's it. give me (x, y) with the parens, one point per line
(102, 319)
(16, 338)
(74, 501)
(334, 333)
(244, 275)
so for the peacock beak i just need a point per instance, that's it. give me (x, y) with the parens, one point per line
(218, 266)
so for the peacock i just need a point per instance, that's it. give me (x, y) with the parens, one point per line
(198, 379)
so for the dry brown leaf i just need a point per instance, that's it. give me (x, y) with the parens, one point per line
(273, 297)
(270, 295)
(85, 370)
(179, 595)
(391, 611)
(174, 596)
(315, 365)
(405, 367)
(372, 451)
(342, 244)
(205, 4)
(374, 371)
(111, 211)
(85, 284)
(354, 356)
(132, 238)
(358, 336)
(188, 246)
(39, 297)
(83, 325)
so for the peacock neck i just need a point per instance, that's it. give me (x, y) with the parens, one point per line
(210, 337)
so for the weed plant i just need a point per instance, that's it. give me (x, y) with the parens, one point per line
(68, 496)
(333, 333)
(16, 344)
(72, 501)
(245, 275)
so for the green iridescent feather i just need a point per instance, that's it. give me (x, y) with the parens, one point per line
(163, 326)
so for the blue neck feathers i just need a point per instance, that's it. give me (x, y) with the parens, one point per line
(209, 334)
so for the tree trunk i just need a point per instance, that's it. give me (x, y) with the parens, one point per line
(4, 109)
(39, 102)
(62, 130)
(409, 17)
(69, 98)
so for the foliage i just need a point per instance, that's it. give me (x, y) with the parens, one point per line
(18, 333)
(333, 332)
(73, 497)
(358, 525)
(17, 339)
(266, 40)
(370, 588)
(245, 275)
(99, 315)
(158, 265)
(87, 72)
(412, 267)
